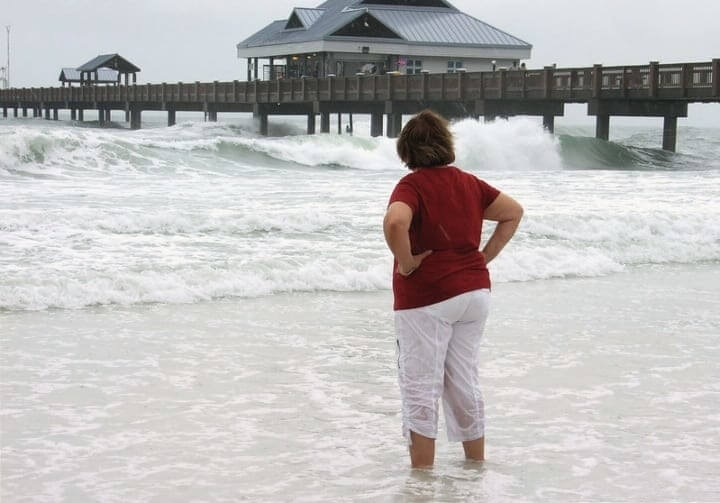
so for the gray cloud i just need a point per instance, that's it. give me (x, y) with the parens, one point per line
(187, 40)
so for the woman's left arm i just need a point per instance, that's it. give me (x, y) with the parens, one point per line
(396, 227)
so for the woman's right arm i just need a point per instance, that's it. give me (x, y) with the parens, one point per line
(507, 212)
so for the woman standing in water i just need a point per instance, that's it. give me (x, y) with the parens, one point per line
(441, 286)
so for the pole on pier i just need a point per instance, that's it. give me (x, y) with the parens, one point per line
(376, 125)
(549, 123)
(171, 118)
(324, 122)
(653, 74)
(670, 134)
(602, 127)
(311, 124)
(249, 69)
(255, 68)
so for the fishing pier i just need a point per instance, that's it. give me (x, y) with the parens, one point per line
(651, 90)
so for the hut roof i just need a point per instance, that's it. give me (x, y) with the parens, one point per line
(420, 22)
(105, 75)
(113, 61)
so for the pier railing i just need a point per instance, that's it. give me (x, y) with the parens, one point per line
(686, 81)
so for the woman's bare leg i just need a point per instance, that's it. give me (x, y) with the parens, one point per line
(422, 451)
(475, 449)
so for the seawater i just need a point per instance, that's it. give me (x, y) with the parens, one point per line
(200, 313)
(206, 211)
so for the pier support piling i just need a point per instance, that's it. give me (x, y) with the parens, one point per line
(264, 125)
(15, 112)
(339, 124)
(55, 114)
(81, 115)
(394, 125)
(108, 115)
(5, 112)
(127, 115)
(171, 118)
(135, 118)
(670, 134)
(324, 122)
(376, 125)
(101, 116)
(24, 112)
(602, 127)
(549, 123)
(73, 114)
(212, 115)
(311, 124)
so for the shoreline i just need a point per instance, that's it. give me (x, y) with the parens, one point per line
(582, 379)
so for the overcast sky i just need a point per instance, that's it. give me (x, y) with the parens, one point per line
(188, 40)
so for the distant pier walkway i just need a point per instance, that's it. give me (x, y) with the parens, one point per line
(653, 90)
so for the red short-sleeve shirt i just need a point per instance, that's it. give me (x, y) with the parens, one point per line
(448, 206)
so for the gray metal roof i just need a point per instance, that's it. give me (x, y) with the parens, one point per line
(415, 25)
(105, 75)
(114, 61)
(308, 16)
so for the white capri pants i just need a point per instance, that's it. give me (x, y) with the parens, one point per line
(438, 348)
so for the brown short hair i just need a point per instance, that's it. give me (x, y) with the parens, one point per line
(426, 141)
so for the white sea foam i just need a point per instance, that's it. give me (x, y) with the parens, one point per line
(204, 211)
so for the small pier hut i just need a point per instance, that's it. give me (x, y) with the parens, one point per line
(111, 61)
(105, 76)
(343, 38)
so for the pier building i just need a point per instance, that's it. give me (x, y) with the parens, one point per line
(343, 38)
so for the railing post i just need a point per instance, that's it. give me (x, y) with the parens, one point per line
(523, 80)
(503, 79)
(597, 81)
(548, 74)
(623, 82)
(653, 74)
(684, 80)
(716, 76)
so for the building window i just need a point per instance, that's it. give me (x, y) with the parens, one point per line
(413, 66)
(454, 66)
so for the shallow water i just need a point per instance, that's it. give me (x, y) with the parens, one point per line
(600, 389)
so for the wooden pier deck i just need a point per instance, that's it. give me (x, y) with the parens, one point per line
(653, 90)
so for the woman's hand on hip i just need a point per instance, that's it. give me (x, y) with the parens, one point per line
(406, 268)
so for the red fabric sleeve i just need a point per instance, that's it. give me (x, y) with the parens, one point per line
(488, 193)
(405, 193)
